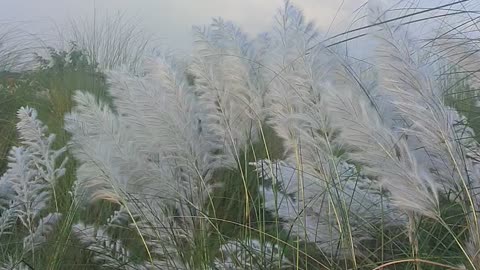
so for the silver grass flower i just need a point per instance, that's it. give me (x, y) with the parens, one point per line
(250, 254)
(305, 205)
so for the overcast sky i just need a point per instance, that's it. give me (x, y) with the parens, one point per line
(171, 20)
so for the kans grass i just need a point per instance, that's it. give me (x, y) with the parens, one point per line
(275, 152)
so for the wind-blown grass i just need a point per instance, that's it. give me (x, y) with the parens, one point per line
(112, 40)
(17, 47)
(279, 152)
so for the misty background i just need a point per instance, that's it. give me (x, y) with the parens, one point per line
(170, 22)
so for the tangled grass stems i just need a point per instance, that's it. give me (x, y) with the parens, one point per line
(273, 153)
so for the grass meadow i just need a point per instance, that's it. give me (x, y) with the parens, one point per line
(277, 151)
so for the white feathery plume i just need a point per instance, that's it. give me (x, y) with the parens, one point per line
(161, 145)
(295, 62)
(32, 173)
(161, 111)
(250, 254)
(310, 217)
(107, 252)
(111, 166)
(28, 185)
(381, 152)
(418, 99)
(111, 253)
(117, 165)
(226, 89)
(30, 196)
(163, 234)
(298, 112)
(8, 219)
(164, 117)
(296, 109)
(158, 118)
(33, 136)
(90, 126)
(45, 227)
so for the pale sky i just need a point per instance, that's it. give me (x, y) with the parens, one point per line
(171, 20)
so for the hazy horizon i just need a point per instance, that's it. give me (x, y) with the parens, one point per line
(171, 21)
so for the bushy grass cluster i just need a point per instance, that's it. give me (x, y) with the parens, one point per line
(278, 152)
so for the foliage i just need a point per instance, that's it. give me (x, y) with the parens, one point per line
(48, 88)
(277, 152)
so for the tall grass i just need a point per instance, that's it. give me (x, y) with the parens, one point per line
(112, 40)
(278, 152)
(17, 47)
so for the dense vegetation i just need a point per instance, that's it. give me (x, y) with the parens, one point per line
(279, 152)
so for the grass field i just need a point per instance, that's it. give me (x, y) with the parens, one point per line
(276, 152)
